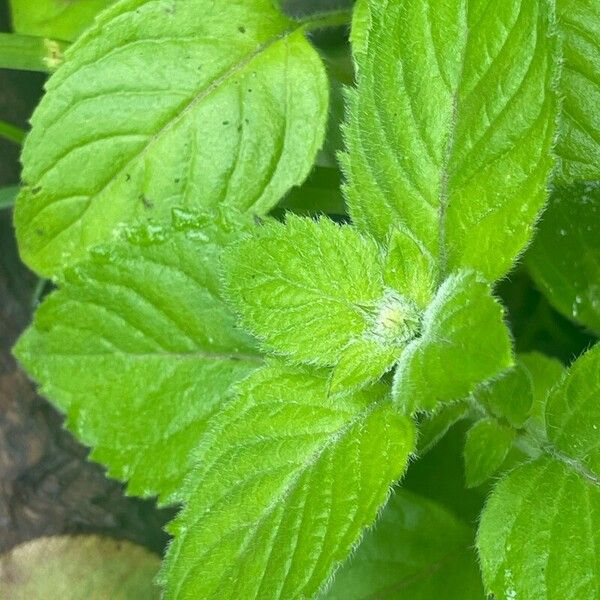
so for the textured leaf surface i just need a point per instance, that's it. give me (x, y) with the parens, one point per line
(162, 104)
(510, 396)
(540, 533)
(463, 342)
(138, 349)
(418, 550)
(573, 412)
(565, 257)
(61, 19)
(317, 292)
(283, 487)
(452, 96)
(486, 447)
(578, 144)
(72, 568)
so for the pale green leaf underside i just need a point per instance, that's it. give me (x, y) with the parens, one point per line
(451, 96)
(578, 146)
(168, 103)
(564, 259)
(486, 447)
(540, 533)
(283, 487)
(139, 350)
(417, 551)
(59, 19)
(464, 341)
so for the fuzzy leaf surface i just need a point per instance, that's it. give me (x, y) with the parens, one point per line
(539, 534)
(316, 292)
(463, 342)
(450, 97)
(487, 445)
(578, 146)
(283, 487)
(139, 350)
(418, 550)
(161, 104)
(540, 531)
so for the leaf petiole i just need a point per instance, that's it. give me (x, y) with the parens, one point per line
(12, 133)
(30, 53)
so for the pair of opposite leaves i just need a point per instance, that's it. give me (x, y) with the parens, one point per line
(146, 150)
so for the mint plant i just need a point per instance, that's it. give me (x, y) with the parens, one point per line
(276, 373)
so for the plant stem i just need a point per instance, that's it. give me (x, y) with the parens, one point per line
(329, 19)
(29, 53)
(12, 133)
(8, 196)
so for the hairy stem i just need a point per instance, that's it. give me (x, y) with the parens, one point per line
(329, 19)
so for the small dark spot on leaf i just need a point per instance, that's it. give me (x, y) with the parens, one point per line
(246, 121)
(36, 190)
(39, 232)
(127, 177)
(242, 29)
(258, 220)
(146, 202)
(177, 180)
(249, 89)
(225, 122)
(239, 128)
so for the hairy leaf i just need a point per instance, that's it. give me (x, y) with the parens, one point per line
(573, 412)
(487, 445)
(463, 342)
(418, 550)
(510, 396)
(451, 97)
(138, 349)
(161, 104)
(539, 535)
(565, 257)
(283, 487)
(317, 292)
(61, 19)
(72, 568)
(433, 427)
(578, 146)
(540, 530)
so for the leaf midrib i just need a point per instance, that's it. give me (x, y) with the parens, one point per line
(198, 98)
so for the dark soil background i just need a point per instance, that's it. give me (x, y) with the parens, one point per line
(46, 484)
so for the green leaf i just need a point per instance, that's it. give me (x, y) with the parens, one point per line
(487, 445)
(139, 350)
(510, 396)
(578, 146)
(433, 427)
(60, 19)
(573, 412)
(284, 485)
(418, 550)
(539, 535)
(187, 103)
(72, 568)
(463, 342)
(564, 260)
(540, 530)
(316, 292)
(449, 99)
(544, 373)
